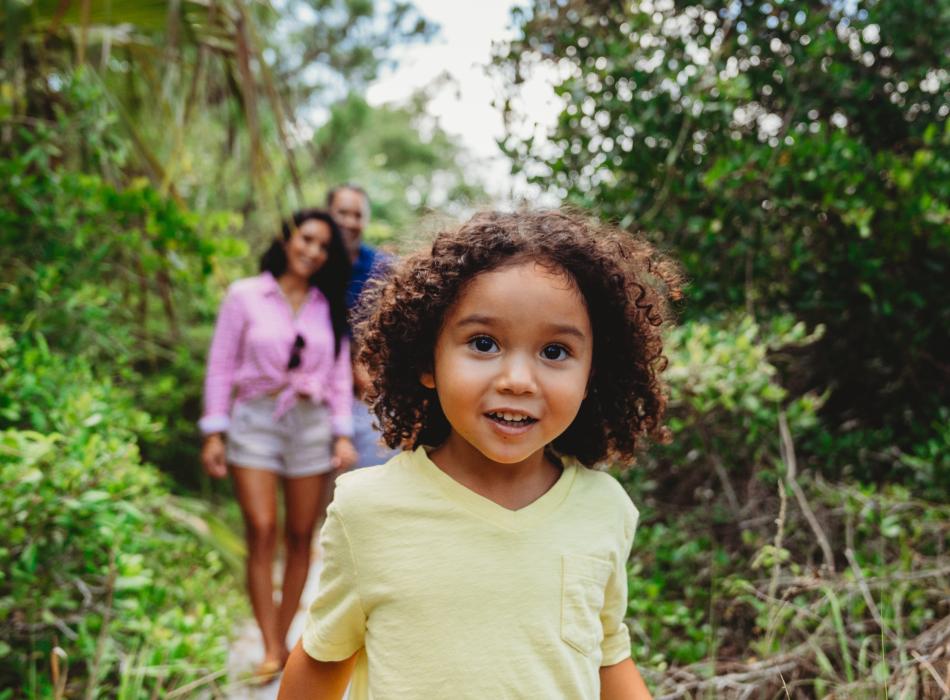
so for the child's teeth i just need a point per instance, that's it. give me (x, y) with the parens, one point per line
(514, 417)
(510, 417)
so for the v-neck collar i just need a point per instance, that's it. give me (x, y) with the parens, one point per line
(272, 286)
(487, 509)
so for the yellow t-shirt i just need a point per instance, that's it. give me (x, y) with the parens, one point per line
(450, 595)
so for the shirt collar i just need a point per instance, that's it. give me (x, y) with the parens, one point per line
(272, 288)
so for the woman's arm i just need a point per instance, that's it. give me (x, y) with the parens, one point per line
(213, 456)
(339, 395)
(305, 677)
(222, 364)
(623, 682)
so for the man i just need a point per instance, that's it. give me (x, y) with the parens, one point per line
(348, 204)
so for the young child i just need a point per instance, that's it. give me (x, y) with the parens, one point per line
(488, 560)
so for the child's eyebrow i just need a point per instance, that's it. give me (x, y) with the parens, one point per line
(553, 328)
(565, 329)
(476, 320)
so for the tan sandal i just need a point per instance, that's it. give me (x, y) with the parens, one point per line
(266, 672)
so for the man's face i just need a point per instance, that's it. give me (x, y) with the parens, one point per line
(351, 213)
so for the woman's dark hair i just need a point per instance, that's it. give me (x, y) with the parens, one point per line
(625, 283)
(333, 276)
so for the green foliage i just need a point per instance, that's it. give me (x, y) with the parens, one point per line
(105, 310)
(85, 256)
(726, 393)
(668, 602)
(408, 166)
(792, 154)
(930, 458)
(725, 400)
(205, 97)
(852, 628)
(114, 275)
(726, 567)
(348, 37)
(922, 464)
(98, 558)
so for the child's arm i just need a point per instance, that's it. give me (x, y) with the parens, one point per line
(623, 682)
(619, 677)
(305, 677)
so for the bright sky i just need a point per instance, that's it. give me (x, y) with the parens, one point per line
(462, 48)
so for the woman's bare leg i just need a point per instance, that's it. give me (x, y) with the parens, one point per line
(302, 498)
(256, 491)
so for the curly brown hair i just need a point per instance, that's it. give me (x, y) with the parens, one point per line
(626, 285)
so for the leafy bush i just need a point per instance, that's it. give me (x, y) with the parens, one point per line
(730, 572)
(116, 275)
(922, 465)
(930, 459)
(725, 401)
(107, 580)
(100, 566)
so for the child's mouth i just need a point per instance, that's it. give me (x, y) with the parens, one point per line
(512, 420)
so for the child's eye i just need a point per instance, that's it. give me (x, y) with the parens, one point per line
(483, 343)
(555, 352)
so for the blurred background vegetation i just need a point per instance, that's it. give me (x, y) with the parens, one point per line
(793, 156)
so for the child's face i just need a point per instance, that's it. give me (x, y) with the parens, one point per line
(517, 343)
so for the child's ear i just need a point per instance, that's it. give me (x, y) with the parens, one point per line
(427, 379)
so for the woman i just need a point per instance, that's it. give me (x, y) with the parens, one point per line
(280, 348)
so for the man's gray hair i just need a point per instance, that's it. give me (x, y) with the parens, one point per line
(331, 195)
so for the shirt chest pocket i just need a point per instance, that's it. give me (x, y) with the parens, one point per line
(583, 582)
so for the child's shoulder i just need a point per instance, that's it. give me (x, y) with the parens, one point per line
(600, 482)
(373, 487)
(602, 492)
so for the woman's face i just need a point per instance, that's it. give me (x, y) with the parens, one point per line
(308, 248)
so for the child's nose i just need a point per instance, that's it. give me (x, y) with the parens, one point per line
(517, 376)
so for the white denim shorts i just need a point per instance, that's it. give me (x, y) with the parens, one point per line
(299, 443)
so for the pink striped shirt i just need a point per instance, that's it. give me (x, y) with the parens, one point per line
(252, 343)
